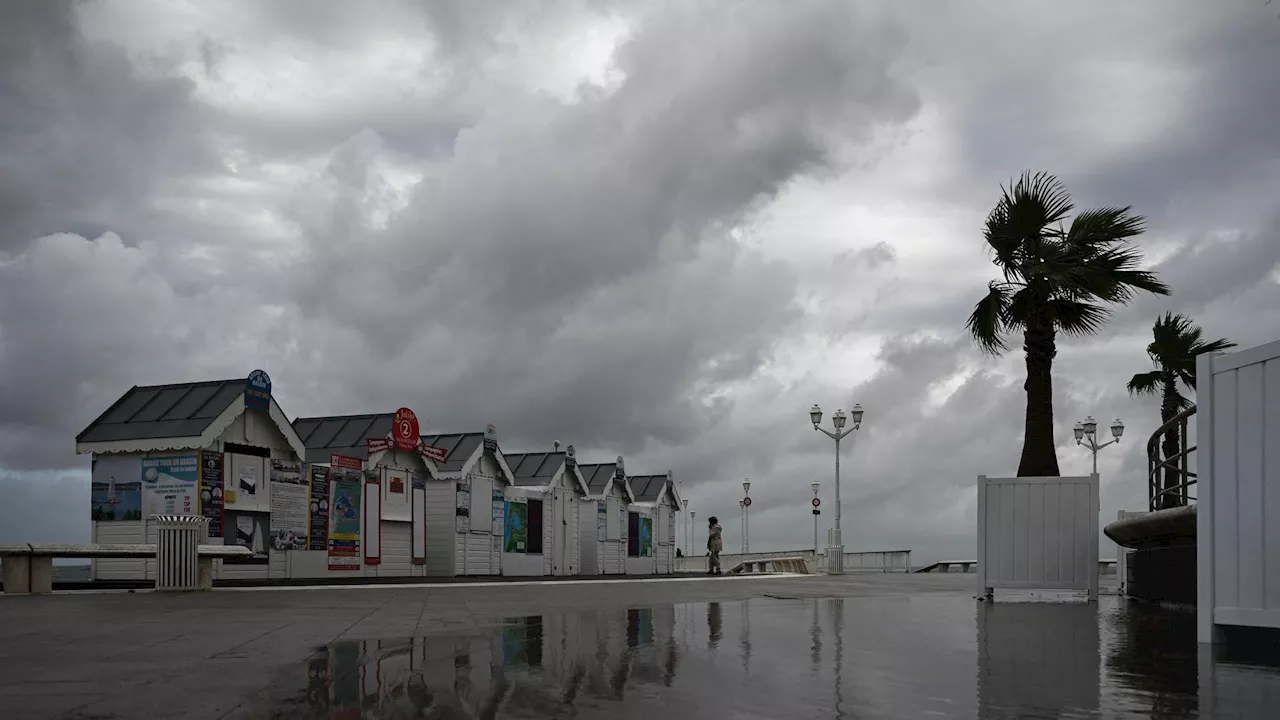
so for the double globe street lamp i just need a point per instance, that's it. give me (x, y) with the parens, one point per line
(835, 543)
(1086, 433)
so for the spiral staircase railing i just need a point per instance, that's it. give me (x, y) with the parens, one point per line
(1169, 479)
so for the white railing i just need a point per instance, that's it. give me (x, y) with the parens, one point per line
(729, 560)
(874, 561)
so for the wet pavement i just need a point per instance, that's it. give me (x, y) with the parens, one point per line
(895, 647)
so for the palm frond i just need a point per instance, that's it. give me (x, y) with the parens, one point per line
(1147, 383)
(1101, 226)
(1075, 317)
(1112, 274)
(988, 321)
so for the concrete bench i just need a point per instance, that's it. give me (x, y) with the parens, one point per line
(28, 567)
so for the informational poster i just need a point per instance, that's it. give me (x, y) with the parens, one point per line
(347, 491)
(248, 529)
(646, 537)
(462, 509)
(290, 508)
(115, 500)
(498, 514)
(516, 536)
(318, 506)
(602, 520)
(171, 485)
(211, 490)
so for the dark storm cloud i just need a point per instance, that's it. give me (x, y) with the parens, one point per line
(82, 137)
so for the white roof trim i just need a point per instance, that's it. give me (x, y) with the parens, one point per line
(475, 458)
(580, 485)
(376, 458)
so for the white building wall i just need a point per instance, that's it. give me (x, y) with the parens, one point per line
(589, 548)
(441, 539)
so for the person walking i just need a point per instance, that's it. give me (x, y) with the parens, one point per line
(714, 545)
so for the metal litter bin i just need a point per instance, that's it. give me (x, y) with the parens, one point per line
(178, 540)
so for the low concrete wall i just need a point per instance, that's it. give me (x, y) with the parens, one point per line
(728, 560)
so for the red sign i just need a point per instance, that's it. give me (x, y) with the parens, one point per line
(433, 454)
(816, 502)
(746, 501)
(404, 429)
(378, 445)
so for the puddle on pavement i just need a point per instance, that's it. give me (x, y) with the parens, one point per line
(856, 658)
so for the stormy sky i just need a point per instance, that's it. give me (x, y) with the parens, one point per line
(655, 229)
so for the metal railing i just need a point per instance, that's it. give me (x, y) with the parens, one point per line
(1169, 479)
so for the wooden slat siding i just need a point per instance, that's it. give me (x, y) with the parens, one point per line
(397, 549)
(109, 533)
(441, 539)
(589, 549)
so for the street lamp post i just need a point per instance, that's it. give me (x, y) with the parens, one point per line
(1087, 435)
(688, 529)
(742, 527)
(746, 516)
(816, 513)
(693, 516)
(835, 543)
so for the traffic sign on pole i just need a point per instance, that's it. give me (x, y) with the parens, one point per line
(816, 502)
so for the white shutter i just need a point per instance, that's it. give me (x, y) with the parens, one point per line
(481, 502)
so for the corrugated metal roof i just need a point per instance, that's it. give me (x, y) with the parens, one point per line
(458, 447)
(597, 475)
(534, 469)
(163, 411)
(646, 488)
(341, 434)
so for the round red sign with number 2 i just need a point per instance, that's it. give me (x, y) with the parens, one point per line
(405, 429)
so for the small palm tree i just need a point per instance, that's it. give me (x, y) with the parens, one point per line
(1176, 341)
(1056, 280)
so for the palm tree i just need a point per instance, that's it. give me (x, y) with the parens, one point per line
(1056, 280)
(1176, 341)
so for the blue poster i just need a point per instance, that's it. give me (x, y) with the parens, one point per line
(171, 485)
(116, 499)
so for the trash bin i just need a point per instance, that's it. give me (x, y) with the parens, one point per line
(178, 540)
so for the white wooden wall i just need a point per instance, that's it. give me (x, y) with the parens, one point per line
(1038, 533)
(1122, 553)
(1238, 489)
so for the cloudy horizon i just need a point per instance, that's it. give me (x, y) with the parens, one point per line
(653, 229)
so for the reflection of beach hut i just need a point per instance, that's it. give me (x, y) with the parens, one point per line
(465, 503)
(201, 448)
(603, 518)
(390, 473)
(550, 486)
(652, 514)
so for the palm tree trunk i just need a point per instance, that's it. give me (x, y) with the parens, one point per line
(1171, 446)
(1039, 456)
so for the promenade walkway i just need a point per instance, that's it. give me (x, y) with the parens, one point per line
(866, 645)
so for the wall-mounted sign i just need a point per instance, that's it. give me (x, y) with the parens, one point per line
(404, 429)
(570, 461)
(378, 444)
(432, 453)
(257, 391)
(619, 472)
(490, 438)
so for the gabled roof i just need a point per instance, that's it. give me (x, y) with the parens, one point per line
(598, 477)
(341, 434)
(647, 488)
(535, 469)
(163, 411)
(458, 447)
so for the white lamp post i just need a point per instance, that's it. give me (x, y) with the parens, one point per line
(688, 529)
(693, 516)
(746, 516)
(816, 513)
(835, 543)
(1086, 433)
(742, 527)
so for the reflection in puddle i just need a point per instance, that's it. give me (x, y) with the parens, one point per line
(864, 658)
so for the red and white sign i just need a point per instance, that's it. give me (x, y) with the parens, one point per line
(404, 429)
(746, 501)
(816, 502)
(431, 453)
(378, 445)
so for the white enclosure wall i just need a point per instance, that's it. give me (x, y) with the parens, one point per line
(1122, 553)
(1038, 533)
(1238, 440)
(565, 549)
(664, 539)
(615, 545)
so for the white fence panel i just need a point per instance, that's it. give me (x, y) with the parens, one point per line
(1038, 533)
(1238, 437)
(1122, 553)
